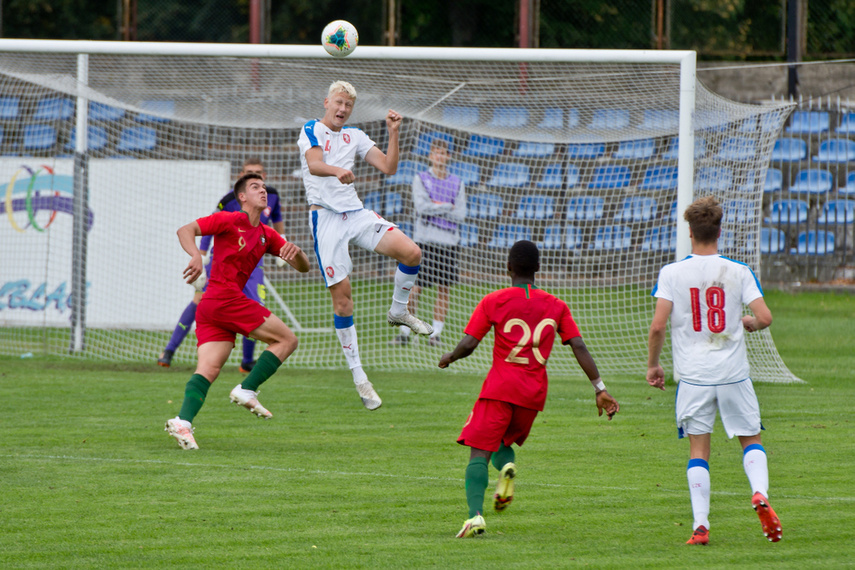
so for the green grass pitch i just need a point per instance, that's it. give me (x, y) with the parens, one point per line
(89, 478)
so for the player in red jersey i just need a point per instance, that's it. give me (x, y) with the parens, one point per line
(526, 321)
(240, 241)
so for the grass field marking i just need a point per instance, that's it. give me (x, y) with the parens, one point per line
(456, 481)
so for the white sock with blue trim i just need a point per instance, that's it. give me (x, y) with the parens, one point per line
(756, 468)
(405, 278)
(698, 474)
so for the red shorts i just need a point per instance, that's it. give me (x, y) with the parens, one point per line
(221, 319)
(493, 422)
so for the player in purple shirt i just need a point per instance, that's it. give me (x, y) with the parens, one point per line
(254, 289)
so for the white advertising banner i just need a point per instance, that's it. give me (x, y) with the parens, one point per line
(134, 260)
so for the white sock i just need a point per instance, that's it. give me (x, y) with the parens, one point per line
(754, 461)
(405, 330)
(349, 345)
(437, 328)
(698, 474)
(359, 375)
(404, 281)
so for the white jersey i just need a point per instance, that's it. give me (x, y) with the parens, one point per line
(707, 338)
(340, 149)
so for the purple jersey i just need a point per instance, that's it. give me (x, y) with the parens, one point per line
(441, 190)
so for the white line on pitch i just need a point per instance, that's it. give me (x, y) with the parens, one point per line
(386, 475)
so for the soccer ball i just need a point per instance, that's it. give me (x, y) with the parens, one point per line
(339, 38)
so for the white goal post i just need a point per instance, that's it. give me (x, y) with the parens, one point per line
(108, 147)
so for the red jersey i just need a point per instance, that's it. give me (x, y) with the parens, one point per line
(238, 246)
(526, 321)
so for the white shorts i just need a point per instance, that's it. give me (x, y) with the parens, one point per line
(333, 232)
(737, 403)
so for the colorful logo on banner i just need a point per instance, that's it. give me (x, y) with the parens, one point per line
(44, 191)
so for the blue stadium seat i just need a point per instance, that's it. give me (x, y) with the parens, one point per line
(553, 237)
(407, 169)
(611, 176)
(39, 137)
(714, 178)
(739, 211)
(1, 134)
(659, 239)
(553, 176)
(504, 236)
(815, 242)
(772, 240)
(481, 146)
(572, 238)
(407, 228)
(636, 209)
(835, 150)
(609, 120)
(737, 149)
(468, 235)
(460, 117)
(635, 150)
(554, 119)
(812, 181)
(373, 201)
(485, 206)
(659, 178)
(660, 120)
(585, 208)
(837, 212)
(847, 124)
(102, 112)
(612, 238)
(789, 150)
(767, 123)
(528, 149)
(137, 139)
(788, 212)
(424, 140)
(509, 117)
(54, 109)
(672, 211)
(393, 204)
(774, 180)
(510, 175)
(585, 151)
(850, 185)
(156, 111)
(536, 207)
(468, 172)
(9, 108)
(96, 138)
(808, 123)
(573, 176)
(674, 146)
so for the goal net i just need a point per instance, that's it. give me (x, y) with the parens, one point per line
(576, 151)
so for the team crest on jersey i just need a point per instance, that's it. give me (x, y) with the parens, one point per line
(263, 240)
(267, 211)
(330, 271)
(346, 138)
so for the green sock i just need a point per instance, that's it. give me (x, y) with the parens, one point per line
(476, 484)
(267, 364)
(194, 396)
(502, 457)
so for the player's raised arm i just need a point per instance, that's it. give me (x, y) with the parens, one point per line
(387, 162)
(317, 166)
(295, 257)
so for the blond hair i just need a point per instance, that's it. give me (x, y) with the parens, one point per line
(342, 87)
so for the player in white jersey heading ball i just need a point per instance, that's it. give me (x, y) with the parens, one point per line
(703, 296)
(337, 217)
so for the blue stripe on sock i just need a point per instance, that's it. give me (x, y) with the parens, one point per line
(698, 463)
(753, 446)
(409, 269)
(343, 322)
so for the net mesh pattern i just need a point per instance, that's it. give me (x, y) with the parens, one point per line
(577, 157)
